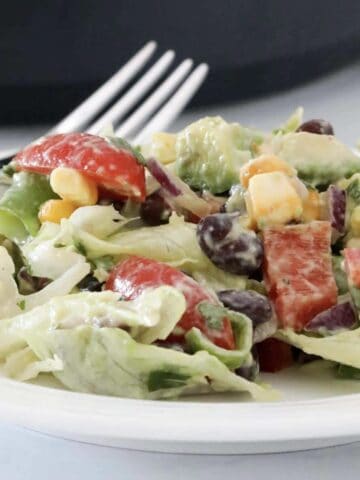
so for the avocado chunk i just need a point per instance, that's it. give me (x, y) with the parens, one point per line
(210, 152)
(318, 159)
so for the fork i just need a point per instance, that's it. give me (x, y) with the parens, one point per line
(154, 113)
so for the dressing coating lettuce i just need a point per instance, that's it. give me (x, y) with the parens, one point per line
(19, 206)
(174, 243)
(56, 248)
(108, 361)
(12, 302)
(79, 339)
(152, 316)
(343, 347)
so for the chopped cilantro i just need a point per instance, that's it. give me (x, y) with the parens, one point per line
(21, 304)
(159, 379)
(59, 245)
(213, 314)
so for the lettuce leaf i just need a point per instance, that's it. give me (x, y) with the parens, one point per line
(343, 347)
(12, 303)
(108, 361)
(292, 123)
(19, 206)
(78, 339)
(174, 243)
(152, 316)
(57, 247)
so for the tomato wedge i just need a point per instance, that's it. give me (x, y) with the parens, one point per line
(352, 266)
(114, 170)
(298, 272)
(135, 274)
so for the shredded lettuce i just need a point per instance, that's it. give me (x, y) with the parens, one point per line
(243, 330)
(56, 248)
(79, 339)
(12, 303)
(108, 361)
(174, 243)
(342, 348)
(292, 123)
(152, 316)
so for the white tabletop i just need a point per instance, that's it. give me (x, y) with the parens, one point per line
(28, 455)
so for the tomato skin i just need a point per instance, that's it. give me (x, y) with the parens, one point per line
(352, 265)
(298, 272)
(274, 355)
(113, 169)
(135, 274)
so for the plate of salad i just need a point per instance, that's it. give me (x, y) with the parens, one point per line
(199, 293)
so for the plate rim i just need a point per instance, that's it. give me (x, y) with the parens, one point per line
(116, 419)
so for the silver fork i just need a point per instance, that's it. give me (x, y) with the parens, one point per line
(154, 113)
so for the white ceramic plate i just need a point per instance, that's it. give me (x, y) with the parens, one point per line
(316, 411)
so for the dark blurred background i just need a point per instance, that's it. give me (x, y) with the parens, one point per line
(54, 53)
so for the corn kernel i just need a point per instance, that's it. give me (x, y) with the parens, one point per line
(355, 222)
(54, 210)
(73, 186)
(264, 164)
(272, 199)
(311, 206)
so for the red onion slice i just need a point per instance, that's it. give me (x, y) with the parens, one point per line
(182, 194)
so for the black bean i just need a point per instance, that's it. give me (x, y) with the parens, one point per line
(90, 284)
(255, 306)
(228, 245)
(318, 126)
(155, 210)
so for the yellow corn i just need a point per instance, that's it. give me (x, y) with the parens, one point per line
(73, 186)
(54, 210)
(272, 199)
(311, 206)
(264, 164)
(355, 222)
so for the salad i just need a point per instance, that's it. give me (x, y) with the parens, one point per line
(187, 265)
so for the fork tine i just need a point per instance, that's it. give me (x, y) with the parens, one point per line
(139, 117)
(122, 106)
(93, 104)
(175, 105)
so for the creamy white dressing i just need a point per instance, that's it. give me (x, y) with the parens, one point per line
(48, 261)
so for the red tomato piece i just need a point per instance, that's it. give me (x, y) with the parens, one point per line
(298, 272)
(274, 355)
(135, 274)
(113, 169)
(352, 265)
